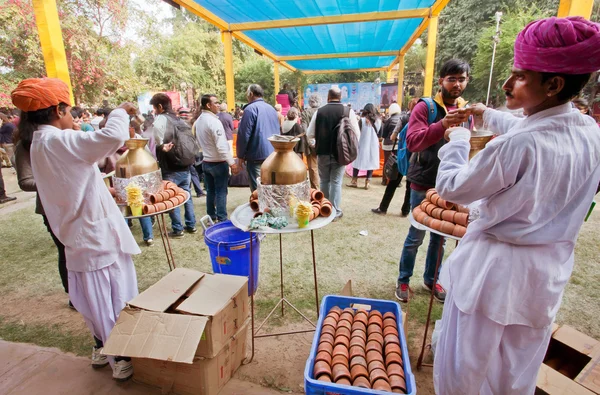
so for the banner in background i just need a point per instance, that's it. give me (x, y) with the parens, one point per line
(357, 95)
(389, 95)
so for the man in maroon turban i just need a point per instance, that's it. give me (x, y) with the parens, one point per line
(532, 187)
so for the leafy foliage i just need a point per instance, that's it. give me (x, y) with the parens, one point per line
(512, 23)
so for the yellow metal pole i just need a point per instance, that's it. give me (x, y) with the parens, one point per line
(389, 76)
(431, 43)
(300, 92)
(276, 74)
(575, 8)
(400, 80)
(229, 84)
(53, 49)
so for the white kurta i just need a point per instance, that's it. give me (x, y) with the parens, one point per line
(536, 182)
(368, 147)
(79, 207)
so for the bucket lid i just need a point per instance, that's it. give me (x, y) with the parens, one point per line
(218, 234)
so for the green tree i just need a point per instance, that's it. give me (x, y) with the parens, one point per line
(512, 23)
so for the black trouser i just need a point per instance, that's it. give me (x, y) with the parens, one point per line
(390, 190)
(62, 258)
(2, 191)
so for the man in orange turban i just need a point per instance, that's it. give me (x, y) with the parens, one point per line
(533, 186)
(79, 208)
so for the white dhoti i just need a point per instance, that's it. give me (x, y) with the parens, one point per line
(100, 295)
(478, 356)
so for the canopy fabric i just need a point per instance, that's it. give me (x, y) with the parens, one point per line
(323, 38)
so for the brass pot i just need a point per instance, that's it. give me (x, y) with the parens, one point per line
(478, 141)
(284, 166)
(136, 161)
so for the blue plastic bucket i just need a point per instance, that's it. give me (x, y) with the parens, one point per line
(229, 249)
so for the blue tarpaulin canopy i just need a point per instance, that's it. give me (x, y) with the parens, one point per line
(322, 35)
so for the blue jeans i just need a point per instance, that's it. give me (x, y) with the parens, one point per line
(216, 176)
(146, 224)
(413, 241)
(181, 179)
(331, 174)
(253, 168)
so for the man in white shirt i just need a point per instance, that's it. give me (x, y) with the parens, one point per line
(79, 208)
(321, 135)
(534, 184)
(217, 157)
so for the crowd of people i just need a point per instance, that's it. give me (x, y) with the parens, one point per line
(533, 185)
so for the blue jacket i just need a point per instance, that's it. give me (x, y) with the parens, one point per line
(258, 123)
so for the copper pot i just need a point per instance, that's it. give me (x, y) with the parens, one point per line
(136, 161)
(284, 166)
(478, 141)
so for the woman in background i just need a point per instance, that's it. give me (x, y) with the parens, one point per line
(368, 146)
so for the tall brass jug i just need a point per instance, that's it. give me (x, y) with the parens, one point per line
(284, 166)
(136, 161)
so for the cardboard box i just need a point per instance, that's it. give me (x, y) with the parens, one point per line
(571, 364)
(205, 376)
(186, 314)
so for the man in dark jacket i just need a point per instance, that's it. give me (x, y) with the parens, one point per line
(258, 123)
(322, 131)
(424, 140)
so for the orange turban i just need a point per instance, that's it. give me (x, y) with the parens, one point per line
(34, 94)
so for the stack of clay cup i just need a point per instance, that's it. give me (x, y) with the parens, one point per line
(441, 215)
(321, 206)
(360, 348)
(168, 198)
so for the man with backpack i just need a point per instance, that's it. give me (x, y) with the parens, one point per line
(176, 150)
(322, 133)
(424, 138)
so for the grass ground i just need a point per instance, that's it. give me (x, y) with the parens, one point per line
(34, 304)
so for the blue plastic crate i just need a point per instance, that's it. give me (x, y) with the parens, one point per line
(314, 387)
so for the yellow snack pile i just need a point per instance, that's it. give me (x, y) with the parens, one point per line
(303, 209)
(134, 194)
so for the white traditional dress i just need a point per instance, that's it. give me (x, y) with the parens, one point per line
(368, 146)
(85, 218)
(505, 280)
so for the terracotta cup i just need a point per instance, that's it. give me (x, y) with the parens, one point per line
(340, 360)
(389, 330)
(149, 209)
(461, 219)
(392, 358)
(374, 356)
(339, 372)
(429, 193)
(254, 205)
(382, 385)
(459, 231)
(395, 369)
(378, 374)
(344, 324)
(346, 316)
(392, 347)
(388, 321)
(373, 345)
(323, 356)
(325, 347)
(343, 340)
(343, 332)
(378, 337)
(360, 334)
(361, 382)
(374, 327)
(447, 227)
(328, 329)
(155, 198)
(326, 337)
(448, 215)
(398, 383)
(160, 206)
(358, 371)
(335, 309)
(331, 321)
(254, 195)
(391, 339)
(321, 368)
(359, 361)
(325, 378)
(357, 351)
(358, 326)
(340, 350)
(316, 195)
(357, 341)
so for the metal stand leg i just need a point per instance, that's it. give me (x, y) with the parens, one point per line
(435, 277)
(251, 284)
(165, 240)
(281, 270)
(312, 242)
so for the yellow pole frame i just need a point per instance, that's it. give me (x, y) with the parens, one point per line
(400, 80)
(431, 43)
(389, 76)
(575, 8)
(53, 49)
(229, 82)
(300, 92)
(276, 75)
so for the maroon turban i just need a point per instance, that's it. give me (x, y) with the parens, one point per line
(559, 45)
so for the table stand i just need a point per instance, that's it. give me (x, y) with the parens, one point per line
(282, 301)
(162, 227)
(438, 263)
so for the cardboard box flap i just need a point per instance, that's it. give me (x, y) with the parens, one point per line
(576, 340)
(149, 334)
(160, 296)
(212, 294)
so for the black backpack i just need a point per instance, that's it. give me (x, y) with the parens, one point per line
(347, 143)
(185, 146)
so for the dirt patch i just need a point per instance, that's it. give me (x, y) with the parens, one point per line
(49, 309)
